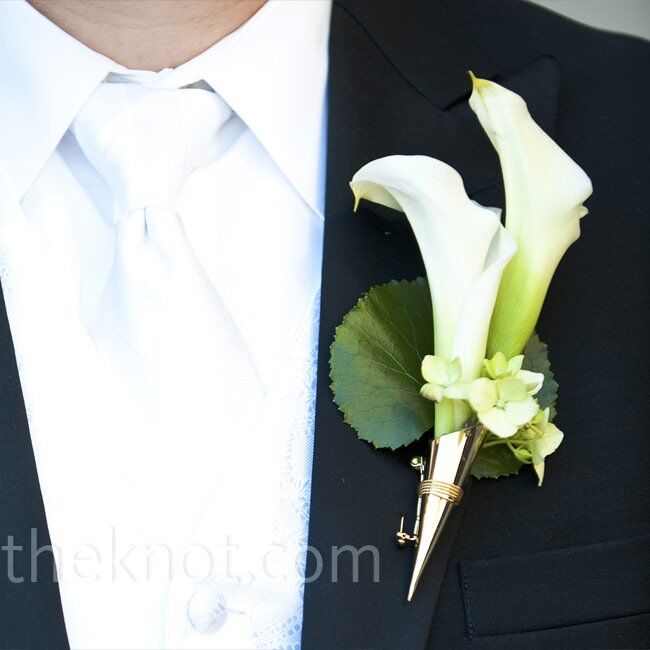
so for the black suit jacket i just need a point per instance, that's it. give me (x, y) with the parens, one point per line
(563, 566)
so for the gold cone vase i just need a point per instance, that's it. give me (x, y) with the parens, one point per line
(442, 476)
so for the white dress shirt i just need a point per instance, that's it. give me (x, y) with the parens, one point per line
(113, 484)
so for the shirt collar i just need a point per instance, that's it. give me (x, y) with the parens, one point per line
(272, 71)
(45, 77)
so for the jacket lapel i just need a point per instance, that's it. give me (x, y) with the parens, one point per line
(29, 595)
(381, 104)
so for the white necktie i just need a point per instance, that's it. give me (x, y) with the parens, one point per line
(162, 325)
(161, 317)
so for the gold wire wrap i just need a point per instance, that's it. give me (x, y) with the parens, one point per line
(447, 491)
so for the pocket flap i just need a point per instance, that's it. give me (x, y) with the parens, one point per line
(549, 589)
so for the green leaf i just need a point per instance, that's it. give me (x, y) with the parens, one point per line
(375, 364)
(494, 461)
(536, 359)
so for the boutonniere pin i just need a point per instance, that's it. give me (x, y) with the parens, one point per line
(456, 355)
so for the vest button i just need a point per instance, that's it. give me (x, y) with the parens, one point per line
(207, 609)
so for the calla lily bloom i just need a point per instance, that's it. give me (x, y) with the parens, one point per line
(544, 190)
(464, 247)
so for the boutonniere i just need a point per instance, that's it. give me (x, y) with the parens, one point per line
(455, 355)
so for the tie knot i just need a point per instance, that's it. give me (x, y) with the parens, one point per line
(144, 142)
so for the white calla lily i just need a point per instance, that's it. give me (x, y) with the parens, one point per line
(544, 190)
(464, 247)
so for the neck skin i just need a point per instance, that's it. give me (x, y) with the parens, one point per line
(148, 34)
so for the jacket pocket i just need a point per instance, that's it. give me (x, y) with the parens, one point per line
(556, 588)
